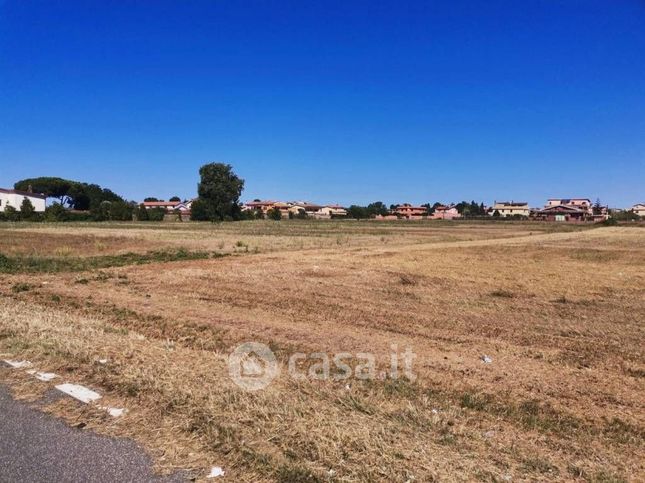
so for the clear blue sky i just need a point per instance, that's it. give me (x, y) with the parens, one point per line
(329, 101)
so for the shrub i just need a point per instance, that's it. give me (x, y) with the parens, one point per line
(11, 214)
(274, 214)
(156, 214)
(56, 212)
(27, 209)
(199, 211)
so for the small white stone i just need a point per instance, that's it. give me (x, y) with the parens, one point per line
(45, 376)
(215, 472)
(115, 412)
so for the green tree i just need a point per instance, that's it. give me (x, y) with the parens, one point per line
(49, 186)
(27, 209)
(597, 207)
(56, 212)
(377, 208)
(150, 198)
(74, 194)
(120, 211)
(274, 214)
(156, 214)
(11, 214)
(198, 210)
(219, 190)
(175, 198)
(358, 212)
(142, 213)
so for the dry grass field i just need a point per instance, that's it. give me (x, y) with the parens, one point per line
(560, 310)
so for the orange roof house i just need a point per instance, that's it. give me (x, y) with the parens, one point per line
(410, 212)
(445, 213)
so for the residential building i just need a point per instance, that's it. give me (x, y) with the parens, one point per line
(445, 213)
(295, 208)
(330, 211)
(15, 198)
(582, 203)
(410, 212)
(169, 206)
(510, 208)
(564, 213)
(639, 209)
(258, 205)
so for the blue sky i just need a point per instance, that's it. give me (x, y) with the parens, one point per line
(329, 101)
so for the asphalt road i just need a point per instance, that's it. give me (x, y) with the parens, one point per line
(37, 447)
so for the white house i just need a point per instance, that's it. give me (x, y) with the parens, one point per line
(639, 209)
(330, 211)
(15, 198)
(510, 208)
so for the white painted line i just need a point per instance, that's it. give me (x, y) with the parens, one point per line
(215, 472)
(81, 393)
(18, 364)
(45, 376)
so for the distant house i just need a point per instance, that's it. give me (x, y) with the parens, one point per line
(169, 206)
(566, 213)
(582, 203)
(639, 209)
(510, 208)
(295, 208)
(445, 213)
(330, 211)
(15, 198)
(410, 212)
(258, 205)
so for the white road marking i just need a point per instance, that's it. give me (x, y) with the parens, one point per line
(18, 364)
(81, 393)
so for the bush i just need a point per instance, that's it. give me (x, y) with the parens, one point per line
(112, 210)
(27, 210)
(274, 214)
(56, 212)
(156, 214)
(11, 214)
(610, 222)
(199, 211)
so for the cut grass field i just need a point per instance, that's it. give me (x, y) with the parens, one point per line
(558, 309)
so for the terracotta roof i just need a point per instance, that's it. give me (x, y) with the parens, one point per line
(23, 193)
(161, 203)
(573, 209)
(260, 203)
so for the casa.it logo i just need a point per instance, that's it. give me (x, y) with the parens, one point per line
(253, 366)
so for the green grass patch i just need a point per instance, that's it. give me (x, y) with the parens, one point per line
(29, 264)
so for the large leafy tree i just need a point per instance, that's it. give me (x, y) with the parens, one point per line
(49, 186)
(73, 194)
(219, 192)
(377, 208)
